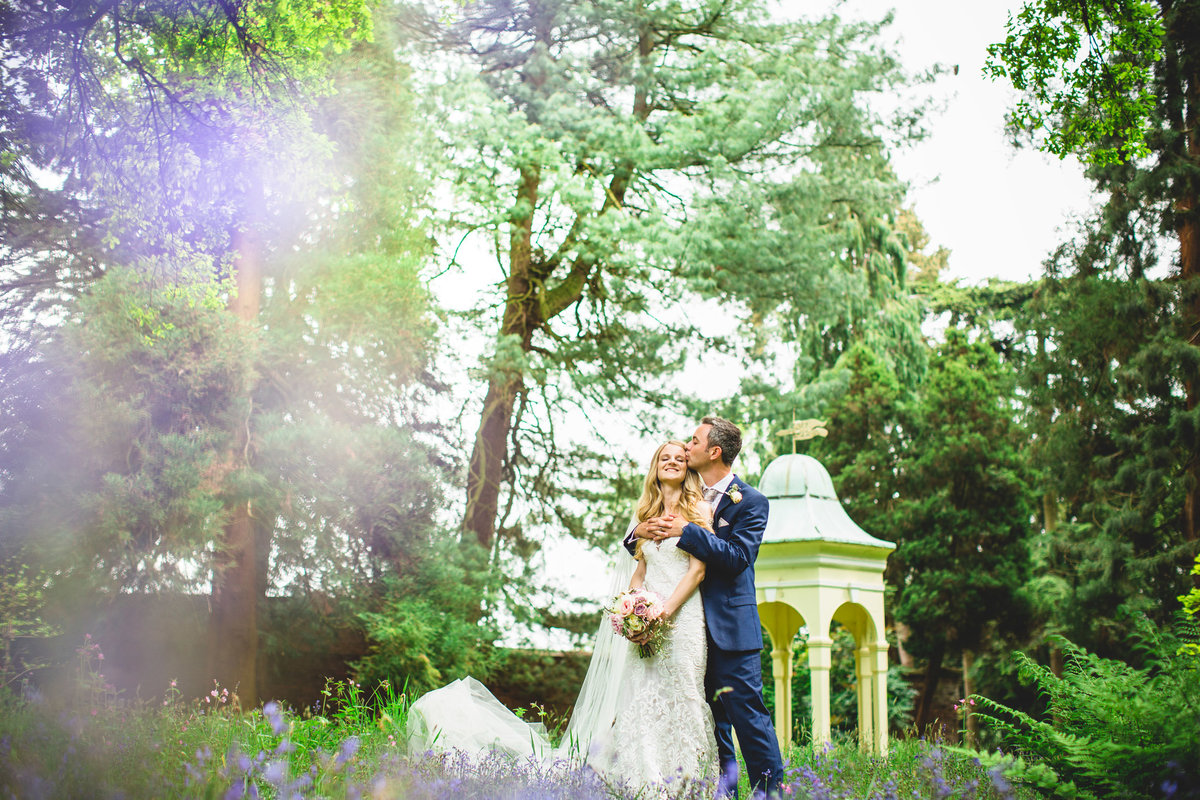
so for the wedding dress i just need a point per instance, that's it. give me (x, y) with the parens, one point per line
(643, 721)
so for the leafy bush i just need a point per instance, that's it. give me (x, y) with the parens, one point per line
(21, 607)
(419, 643)
(1111, 730)
(1191, 607)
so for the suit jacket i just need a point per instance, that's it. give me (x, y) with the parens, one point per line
(729, 552)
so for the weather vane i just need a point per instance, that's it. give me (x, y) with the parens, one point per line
(803, 430)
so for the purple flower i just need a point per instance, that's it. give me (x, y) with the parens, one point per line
(275, 772)
(349, 748)
(274, 716)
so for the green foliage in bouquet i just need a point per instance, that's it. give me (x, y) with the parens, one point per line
(1111, 729)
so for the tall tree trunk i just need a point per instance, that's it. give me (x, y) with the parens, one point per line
(530, 302)
(237, 580)
(903, 632)
(1189, 259)
(933, 674)
(522, 316)
(1185, 70)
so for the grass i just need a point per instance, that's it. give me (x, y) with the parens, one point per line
(352, 745)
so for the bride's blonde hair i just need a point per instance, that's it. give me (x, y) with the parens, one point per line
(652, 504)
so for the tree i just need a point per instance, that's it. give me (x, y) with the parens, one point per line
(869, 435)
(962, 518)
(337, 335)
(631, 162)
(1114, 365)
(115, 117)
(1084, 71)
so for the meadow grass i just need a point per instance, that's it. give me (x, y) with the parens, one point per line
(352, 744)
(354, 747)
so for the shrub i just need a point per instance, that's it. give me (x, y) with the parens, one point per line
(1111, 730)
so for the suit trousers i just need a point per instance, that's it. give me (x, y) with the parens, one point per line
(733, 683)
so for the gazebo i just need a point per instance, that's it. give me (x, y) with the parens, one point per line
(816, 566)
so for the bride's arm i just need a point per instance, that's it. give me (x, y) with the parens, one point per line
(683, 590)
(639, 575)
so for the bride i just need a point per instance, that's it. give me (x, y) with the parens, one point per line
(643, 721)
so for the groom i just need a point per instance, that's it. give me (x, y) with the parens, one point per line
(733, 681)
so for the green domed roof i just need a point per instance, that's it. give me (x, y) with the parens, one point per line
(804, 505)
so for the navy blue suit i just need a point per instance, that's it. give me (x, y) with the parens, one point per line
(733, 680)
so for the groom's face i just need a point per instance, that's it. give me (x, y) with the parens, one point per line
(698, 450)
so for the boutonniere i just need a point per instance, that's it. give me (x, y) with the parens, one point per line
(735, 493)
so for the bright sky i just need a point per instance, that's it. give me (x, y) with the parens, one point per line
(998, 210)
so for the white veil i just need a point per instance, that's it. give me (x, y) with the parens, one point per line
(464, 715)
(586, 737)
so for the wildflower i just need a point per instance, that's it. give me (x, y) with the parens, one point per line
(274, 716)
(275, 772)
(1000, 781)
(349, 748)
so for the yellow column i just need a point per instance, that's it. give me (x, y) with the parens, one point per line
(820, 659)
(781, 662)
(880, 698)
(863, 658)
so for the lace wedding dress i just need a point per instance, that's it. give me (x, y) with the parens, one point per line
(642, 721)
(664, 731)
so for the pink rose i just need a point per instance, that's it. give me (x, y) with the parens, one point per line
(625, 605)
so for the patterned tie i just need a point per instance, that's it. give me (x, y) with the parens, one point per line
(711, 495)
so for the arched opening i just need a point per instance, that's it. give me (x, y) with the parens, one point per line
(780, 623)
(860, 690)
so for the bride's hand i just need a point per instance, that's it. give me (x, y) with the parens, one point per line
(672, 526)
(642, 531)
(644, 636)
(661, 614)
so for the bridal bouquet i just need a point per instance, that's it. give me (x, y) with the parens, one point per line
(631, 612)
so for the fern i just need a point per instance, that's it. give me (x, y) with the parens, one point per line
(1111, 730)
(1037, 775)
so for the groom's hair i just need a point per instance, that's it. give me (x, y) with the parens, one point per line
(724, 434)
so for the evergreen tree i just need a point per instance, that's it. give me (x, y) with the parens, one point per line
(651, 175)
(962, 555)
(1112, 378)
(938, 470)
